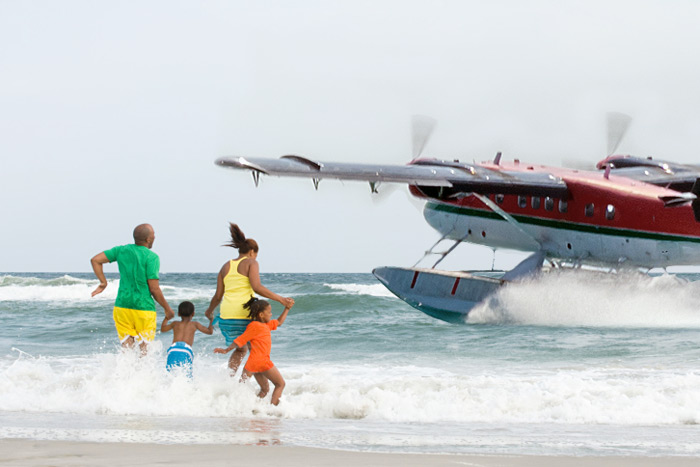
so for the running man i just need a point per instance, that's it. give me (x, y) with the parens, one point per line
(134, 310)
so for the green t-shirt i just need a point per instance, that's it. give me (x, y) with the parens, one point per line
(137, 264)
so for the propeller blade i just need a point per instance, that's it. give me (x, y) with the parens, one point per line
(577, 164)
(387, 190)
(421, 129)
(618, 123)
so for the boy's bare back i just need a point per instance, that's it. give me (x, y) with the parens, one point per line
(183, 331)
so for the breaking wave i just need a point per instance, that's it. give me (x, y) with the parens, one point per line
(375, 290)
(73, 289)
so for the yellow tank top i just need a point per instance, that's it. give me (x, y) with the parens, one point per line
(237, 291)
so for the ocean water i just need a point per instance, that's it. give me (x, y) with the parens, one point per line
(574, 363)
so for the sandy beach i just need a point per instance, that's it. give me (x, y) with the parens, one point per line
(18, 452)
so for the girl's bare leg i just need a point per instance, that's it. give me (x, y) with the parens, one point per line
(264, 385)
(236, 358)
(273, 374)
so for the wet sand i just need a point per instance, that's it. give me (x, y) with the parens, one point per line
(19, 453)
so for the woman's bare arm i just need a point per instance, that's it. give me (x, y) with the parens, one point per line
(254, 277)
(219, 294)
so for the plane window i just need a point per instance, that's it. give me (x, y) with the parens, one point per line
(535, 202)
(610, 212)
(522, 201)
(499, 199)
(589, 210)
(549, 204)
(563, 205)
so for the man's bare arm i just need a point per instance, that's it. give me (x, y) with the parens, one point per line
(97, 261)
(154, 287)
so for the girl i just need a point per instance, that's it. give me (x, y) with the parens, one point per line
(258, 334)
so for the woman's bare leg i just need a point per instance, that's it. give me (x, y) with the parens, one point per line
(274, 375)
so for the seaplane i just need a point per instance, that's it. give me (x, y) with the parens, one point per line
(626, 212)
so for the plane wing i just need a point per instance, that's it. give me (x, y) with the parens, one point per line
(680, 177)
(457, 178)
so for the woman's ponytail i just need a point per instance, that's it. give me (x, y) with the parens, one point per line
(239, 242)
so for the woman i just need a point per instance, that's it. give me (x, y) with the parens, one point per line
(237, 281)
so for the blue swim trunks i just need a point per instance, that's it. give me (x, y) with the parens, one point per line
(231, 328)
(180, 355)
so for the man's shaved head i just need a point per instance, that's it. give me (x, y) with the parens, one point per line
(142, 234)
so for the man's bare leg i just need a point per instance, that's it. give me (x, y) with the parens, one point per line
(130, 342)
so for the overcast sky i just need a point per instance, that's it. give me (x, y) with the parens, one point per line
(112, 114)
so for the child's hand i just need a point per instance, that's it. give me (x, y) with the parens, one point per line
(220, 350)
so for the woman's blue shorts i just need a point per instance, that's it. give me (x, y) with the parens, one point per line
(231, 328)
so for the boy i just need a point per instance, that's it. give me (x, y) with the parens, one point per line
(180, 353)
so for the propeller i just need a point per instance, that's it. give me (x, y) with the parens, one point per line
(385, 191)
(618, 123)
(422, 128)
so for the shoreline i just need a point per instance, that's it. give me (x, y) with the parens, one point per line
(27, 452)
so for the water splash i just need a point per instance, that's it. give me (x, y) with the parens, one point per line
(585, 298)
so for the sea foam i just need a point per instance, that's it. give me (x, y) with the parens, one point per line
(124, 384)
(585, 298)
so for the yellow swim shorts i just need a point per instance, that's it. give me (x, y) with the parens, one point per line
(140, 324)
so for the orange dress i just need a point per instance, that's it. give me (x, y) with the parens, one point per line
(258, 334)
